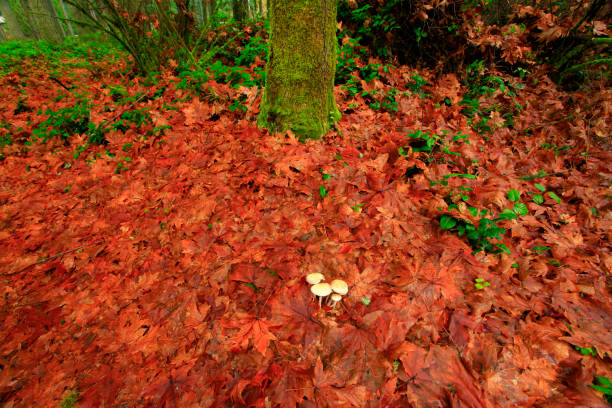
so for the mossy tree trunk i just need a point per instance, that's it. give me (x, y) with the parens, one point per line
(11, 27)
(299, 92)
(44, 17)
(66, 17)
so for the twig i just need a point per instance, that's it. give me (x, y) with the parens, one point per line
(43, 260)
(67, 252)
(126, 109)
(61, 83)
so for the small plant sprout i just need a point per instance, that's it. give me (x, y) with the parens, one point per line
(321, 290)
(480, 284)
(339, 286)
(314, 278)
(333, 300)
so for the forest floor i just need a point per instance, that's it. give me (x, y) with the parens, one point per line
(166, 267)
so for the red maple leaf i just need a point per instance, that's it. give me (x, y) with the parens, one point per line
(251, 329)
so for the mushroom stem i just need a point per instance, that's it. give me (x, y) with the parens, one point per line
(333, 300)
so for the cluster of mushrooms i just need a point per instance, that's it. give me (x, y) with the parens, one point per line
(337, 288)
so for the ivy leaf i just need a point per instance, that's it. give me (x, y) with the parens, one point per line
(323, 191)
(540, 187)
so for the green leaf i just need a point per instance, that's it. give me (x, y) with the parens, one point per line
(514, 195)
(515, 265)
(478, 286)
(366, 301)
(323, 191)
(460, 230)
(605, 390)
(538, 199)
(594, 210)
(326, 176)
(447, 222)
(554, 197)
(468, 176)
(540, 248)
(473, 211)
(504, 248)
(357, 208)
(250, 285)
(604, 381)
(478, 280)
(507, 215)
(540, 187)
(530, 177)
(401, 151)
(520, 209)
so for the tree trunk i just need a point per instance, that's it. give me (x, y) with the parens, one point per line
(55, 17)
(199, 10)
(240, 9)
(67, 17)
(44, 20)
(299, 92)
(11, 27)
(212, 8)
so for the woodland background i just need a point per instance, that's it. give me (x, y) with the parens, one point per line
(154, 240)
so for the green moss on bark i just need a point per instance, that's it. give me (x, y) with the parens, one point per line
(299, 92)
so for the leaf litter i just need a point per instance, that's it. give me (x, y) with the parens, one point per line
(179, 280)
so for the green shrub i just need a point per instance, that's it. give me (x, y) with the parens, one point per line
(64, 122)
(481, 85)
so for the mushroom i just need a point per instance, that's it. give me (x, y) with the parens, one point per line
(314, 278)
(339, 286)
(333, 299)
(321, 290)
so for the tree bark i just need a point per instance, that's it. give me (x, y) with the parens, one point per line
(43, 15)
(299, 92)
(199, 10)
(212, 7)
(240, 9)
(11, 27)
(67, 16)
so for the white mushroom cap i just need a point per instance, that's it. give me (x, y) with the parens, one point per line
(334, 299)
(321, 289)
(339, 286)
(314, 278)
